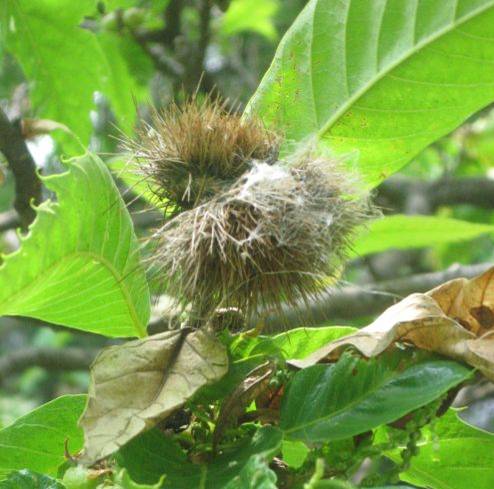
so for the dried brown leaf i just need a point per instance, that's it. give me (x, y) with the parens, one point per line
(454, 319)
(37, 127)
(469, 302)
(137, 384)
(481, 351)
(256, 382)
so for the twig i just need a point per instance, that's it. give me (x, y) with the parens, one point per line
(66, 359)
(9, 220)
(163, 63)
(476, 191)
(27, 183)
(195, 67)
(172, 16)
(351, 302)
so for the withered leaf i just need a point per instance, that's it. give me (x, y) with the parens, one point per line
(249, 389)
(482, 352)
(470, 302)
(453, 319)
(138, 384)
(36, 127)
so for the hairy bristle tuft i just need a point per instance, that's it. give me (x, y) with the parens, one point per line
(190, 153)
(273, 237)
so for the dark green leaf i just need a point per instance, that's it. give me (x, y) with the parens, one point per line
(356, 395)
(256, 474)
(123, 481)
(151, 455)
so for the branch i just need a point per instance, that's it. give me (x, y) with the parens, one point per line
(476, 191)
(9, 220)
(351, 302)
(27, 183)
(172, 16)
(195, 67)
(163, 63)
(66, 359)
(154, 42)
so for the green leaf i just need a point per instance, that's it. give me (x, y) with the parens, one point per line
(355, 395)
(151, 455)
(247, 353)
(66, 64)
(250, 15)
(256, 474)
(116, 81)
(79, 265)
(454, 456)
(25, 479)
(380, 78)
(36, 441)
(301, 342)
(139, 66)
(123, 481)
(294, 453)
(295, 343)
(59, 59)
(402, 232)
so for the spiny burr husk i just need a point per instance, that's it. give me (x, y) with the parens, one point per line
(187, 154)
(273, 237)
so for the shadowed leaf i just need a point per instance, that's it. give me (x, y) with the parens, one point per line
(151, 455)
(355, 395)
(137, 384)
(234, 405)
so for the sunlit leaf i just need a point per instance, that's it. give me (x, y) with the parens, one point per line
(381, 79)
(36, 441)
(404, 232)
(454, 455)
(294, 453)
(67, 64)
(250, 15)
(79, 265)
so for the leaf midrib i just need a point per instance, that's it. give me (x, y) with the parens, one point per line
(351, 405)
(386, 380)
(370, 84)
(120, 282)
